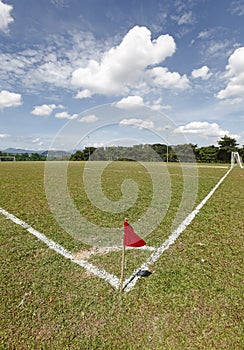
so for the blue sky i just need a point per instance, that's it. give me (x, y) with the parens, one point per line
(103, 72)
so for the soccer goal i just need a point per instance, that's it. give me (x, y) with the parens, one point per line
(235, 158)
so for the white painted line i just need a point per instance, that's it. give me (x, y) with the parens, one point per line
(117, 248)
(130, 282)
(113, 280)
(145, 247)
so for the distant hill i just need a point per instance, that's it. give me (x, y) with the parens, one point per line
(51, 154)
(20, 150)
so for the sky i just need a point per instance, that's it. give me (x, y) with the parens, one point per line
(76, 73)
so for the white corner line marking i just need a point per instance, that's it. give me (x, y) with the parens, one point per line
(113, 280)
(130, 282)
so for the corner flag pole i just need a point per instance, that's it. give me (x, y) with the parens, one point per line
(130, 240)
(122, 269)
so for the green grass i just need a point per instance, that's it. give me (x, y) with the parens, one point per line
(193, 299)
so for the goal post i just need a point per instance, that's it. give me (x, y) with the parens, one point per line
(236, 158)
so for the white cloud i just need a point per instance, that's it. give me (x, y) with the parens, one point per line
(89, 119)
(159, 107)
(161, 77)
(205, 34)
(232, 101)
(202, 73)
(66, 62)
(60, 3)
(183, 14)
(10, 99)
(3, 136)
(130, 102)
(186, 18)
(217, 49)
(53, 72)
(37, 141)
(235, 73)
(51, 64)
(66, 115)
(122, 66)
(45, 110)
(203, 129)
(84, 94)
(237, 7)
(5, 17)
(138, 123)
(215, 43)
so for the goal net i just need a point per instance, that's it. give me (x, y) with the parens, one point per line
(235, 158)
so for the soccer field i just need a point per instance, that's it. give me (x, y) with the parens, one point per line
(192, 299)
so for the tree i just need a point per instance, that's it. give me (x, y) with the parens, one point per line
(23, 156)
(226, 146)
(207, 154)
(161, 149)
(37, 156)
(185, 152)
(78, 155)
(241, 152)
(88, 152)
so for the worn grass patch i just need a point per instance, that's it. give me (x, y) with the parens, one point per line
(193, 300)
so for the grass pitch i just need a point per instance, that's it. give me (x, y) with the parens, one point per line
(193, 299)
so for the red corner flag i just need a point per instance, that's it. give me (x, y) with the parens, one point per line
(130, 237)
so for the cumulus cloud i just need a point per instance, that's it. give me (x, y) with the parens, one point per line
(84, 94)
(5, 17)
(113, 70)
(235, 73)
(130, 102)
(138, 123)
(66, 115)
(122, 66)
(89, 119)
(161, 77)
(203, 129)
(10, 99)
(203, 73)
(45, 110)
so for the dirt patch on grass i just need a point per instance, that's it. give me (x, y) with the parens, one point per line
(87, 254)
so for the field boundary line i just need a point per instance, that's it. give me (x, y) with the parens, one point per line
(110, 278)
(113, 280)
(130, 282)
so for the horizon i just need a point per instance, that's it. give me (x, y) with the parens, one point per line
(105, 147)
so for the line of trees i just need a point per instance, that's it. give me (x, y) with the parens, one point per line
(22, 156)
(185, 152)
(155, 152)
